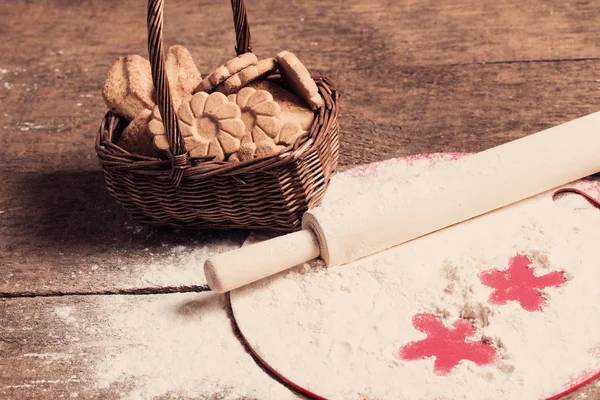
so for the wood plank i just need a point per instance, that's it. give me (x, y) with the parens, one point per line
(149, 346)
(108, 347)
(62, 233)
(337, 33)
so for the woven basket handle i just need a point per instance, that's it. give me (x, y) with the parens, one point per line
(178, 155)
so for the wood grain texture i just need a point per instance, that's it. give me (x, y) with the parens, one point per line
(416, 76)
(110, 347)
(58, 219)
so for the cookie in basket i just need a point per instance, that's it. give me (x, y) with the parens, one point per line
(247, 75)
(266, 147)
(295, 74)
(261, 116)
(128, 88)
(306, 174)
(210, 126)
(249, 149)
(226, 70)
(182, 73)
(295, 116)
(290, 132)
(136, 139)
(259, 112)
(246, 150)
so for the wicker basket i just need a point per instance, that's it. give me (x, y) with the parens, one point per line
(266, 193)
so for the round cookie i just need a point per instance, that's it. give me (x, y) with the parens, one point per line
(258, 111)
(234, 158)
(250, 148)
(299, 79)
(267, 148)
(262, 123)
(231, 67)
(293, 108)
(249, 74)
(210, 126)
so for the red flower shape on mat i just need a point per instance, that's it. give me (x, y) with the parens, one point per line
(518, 283)
(448, 345)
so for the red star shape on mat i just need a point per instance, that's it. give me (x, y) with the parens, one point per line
(518, 283)
(448, 345)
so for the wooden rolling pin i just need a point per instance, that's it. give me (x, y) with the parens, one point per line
(372, 222)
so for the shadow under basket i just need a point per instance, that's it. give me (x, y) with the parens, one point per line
(269, 193)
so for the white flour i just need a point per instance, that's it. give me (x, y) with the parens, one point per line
(169, 346)
(176, 265)
(337, 331)
(182, 266)
(176, 346)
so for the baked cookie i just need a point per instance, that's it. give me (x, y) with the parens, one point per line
(247, 149)
(231, 67)
(259, 112)
(210, 125)
(299, 79)
(136, 139)
(234, 158)
(157, 131)
(267, 148)
(261, 121)
(264, 146)
(249, 74)
(182, 73)
(128, 88)
(290, 132)
(293, 108)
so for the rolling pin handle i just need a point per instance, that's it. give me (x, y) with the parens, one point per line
(239, 267)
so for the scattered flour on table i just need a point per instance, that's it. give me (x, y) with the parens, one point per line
(175, 265)
(178, 346)
(65, 313)
(182, 265)
(337, 331)
(169, 345)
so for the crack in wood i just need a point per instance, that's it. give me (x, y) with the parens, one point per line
(533, 61)
(134, 292)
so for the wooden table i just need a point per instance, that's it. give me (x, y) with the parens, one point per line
(416, 76)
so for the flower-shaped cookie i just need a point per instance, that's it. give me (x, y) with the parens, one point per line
(261, 120)
(250, 148)
(259, 112)
(210, 126)
(289, 133)
(157, 129)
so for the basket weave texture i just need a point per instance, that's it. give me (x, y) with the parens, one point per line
(267, 193)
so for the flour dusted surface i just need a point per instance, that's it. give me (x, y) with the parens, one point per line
(177, 346)
(167, 346)
(337, 332)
